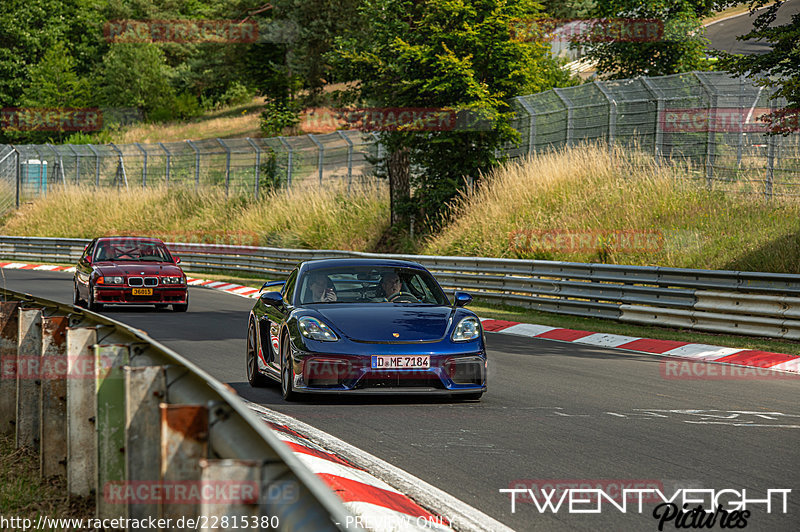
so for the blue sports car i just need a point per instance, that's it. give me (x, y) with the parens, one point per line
(365, 326)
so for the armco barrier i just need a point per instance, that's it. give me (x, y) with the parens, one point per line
(109, 409)
(752, 303)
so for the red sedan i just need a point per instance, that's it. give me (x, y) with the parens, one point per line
(129, 271)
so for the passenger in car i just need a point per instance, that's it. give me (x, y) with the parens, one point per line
(321, 287)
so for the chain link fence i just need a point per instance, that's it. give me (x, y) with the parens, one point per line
(709, 119)
(238, 166)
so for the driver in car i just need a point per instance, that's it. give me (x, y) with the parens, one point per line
(390, 285)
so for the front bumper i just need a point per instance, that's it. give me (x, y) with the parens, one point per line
(123, 295)
(462, 373)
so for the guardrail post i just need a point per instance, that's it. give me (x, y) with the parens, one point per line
(18, 172)
(349, 158)
(570, 122)
(110, 422)
(196, 164)
(612, 112)
(658, 141)
(77, 164)
(144, 164)
(227, 165)
(710, 141)
(258, 164)
(29, 349)
(81, 409)
(169, 157)
(146, 388)
(289, 161)
(768, 178)
(245, 477)
(53, 421)
(96, 165)
(531, 122)
(321, 155)
(9, 329)
(184, 442)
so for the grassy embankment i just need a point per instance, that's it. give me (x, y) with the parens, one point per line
(586, 190)
(24, 495)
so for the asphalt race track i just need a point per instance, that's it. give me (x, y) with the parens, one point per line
(554, 412)
(723, 34)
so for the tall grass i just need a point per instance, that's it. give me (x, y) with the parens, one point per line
(587, 190)
(591, 190)
(306, 218)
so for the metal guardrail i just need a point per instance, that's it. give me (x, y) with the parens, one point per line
(683, 297)
(134, 413)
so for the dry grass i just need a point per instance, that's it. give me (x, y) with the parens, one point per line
(237, 121)
(589, 190)
(304, 218)
(23, 494)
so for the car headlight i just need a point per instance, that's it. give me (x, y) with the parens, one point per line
(171, 280)
(316, 330)
(468, 328)
(110, 280)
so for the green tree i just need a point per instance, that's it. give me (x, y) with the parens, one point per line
(681, 48)
(457, 55)
(29, 28)
(137, 75)
(779, 68)
(55, 83)
(569, 8)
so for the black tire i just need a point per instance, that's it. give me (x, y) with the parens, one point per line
(254, 377)
(94, 307)
(287, 372)
(181, 307)
(76, 296)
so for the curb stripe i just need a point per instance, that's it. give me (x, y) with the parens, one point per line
(353, 491)
(649, 345)
(299, 448)
(565, 335)
(761, 359)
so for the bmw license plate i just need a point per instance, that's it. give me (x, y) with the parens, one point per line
(401, 362)
(143, 291)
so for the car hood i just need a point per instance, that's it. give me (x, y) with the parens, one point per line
(137, 268)
(387, 322)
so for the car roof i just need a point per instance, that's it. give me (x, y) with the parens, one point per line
(123, 238)
(318, 264)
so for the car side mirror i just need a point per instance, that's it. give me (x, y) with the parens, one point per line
(274, 299)
(177, 259)
(462, 299)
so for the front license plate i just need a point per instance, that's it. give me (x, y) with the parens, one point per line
(143, 291)
(400, 362)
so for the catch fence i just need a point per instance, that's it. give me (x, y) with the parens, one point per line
(709, 120)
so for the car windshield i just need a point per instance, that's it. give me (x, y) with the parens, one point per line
(131, 250)
(378, 285)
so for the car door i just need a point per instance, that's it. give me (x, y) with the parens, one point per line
(83, 269)
(274, 318)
